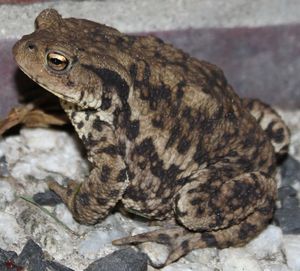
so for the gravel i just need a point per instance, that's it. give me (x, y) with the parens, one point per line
(29, 159)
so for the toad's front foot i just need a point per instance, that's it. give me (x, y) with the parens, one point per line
(67, 194)
(91, 200)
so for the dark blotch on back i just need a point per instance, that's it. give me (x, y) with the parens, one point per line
(158, 122)
(132, 129)
(133, 70)
(111, 78)
(146, 147)
(111, 150)
(122, 176)
(105, 173)
(174, 134)
(183, 145)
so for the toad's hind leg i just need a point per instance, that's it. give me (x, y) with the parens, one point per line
(271, 123)
(215, 214)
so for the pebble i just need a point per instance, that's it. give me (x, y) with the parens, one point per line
(121, 260)
(4, 172)
(100, 237)
(237, 259)
(288, 197)
(187, 267)
(288, 219)
(10, 231)
(31, 258)
(288, 215)
(6, 257)
(290, 171)
(6, 193)
(277, 267)
(48, 198)
(204, 255)
(266, 244)
(157, 253)
(291, 248)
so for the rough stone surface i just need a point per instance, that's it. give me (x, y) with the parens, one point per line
(289, 220)
(268, 243)
(235, 259)
(6, 257)
(47, 198)
(290, 172)
(291, 248)
(191, 267)
(140, 16)
(31, 258)
(121, 260)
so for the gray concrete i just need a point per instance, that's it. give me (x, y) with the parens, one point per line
(258, 61)
(157, 15)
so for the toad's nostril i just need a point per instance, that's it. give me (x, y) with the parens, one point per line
(31, 46)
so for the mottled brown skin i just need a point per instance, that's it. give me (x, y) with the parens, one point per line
(166, 134)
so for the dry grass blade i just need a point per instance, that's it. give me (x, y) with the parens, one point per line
(30, 117)
(30, 200)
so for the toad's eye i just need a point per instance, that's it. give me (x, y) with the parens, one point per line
(57, 62)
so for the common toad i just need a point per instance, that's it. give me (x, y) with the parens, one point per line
(167, 136)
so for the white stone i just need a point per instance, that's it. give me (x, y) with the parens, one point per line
(65, 216)
(277, 267)
(100, 236)
(41, 139)
(10, 231)
(237, 259)
(157, 253)
(96, 240)
(204, 255)
(187, 267)
(59, 150)
(12, 148)
(1, 147)
(266, 243)
(291, 247)
(6, 193)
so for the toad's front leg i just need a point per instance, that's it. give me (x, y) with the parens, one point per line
(93, 199)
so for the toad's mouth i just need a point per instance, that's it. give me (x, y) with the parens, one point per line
(58, 94)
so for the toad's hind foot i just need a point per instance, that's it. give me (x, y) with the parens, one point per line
(176, 238)
(181, 241)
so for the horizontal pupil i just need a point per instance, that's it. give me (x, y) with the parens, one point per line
(56, 61)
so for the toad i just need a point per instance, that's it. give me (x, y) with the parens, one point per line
(167, 136)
